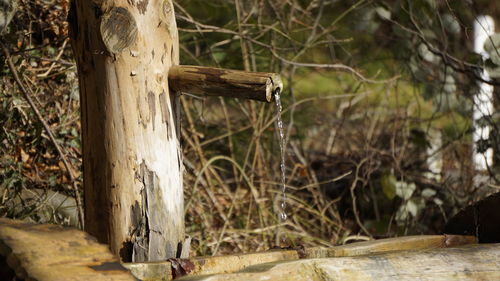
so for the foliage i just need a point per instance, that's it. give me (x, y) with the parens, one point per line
(30, 167)
(339, 59)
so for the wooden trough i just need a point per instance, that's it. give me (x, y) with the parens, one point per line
(49, 252)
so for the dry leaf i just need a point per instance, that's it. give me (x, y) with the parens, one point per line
(24, 156)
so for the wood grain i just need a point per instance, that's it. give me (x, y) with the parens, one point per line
(238, 262)
(46, 252)
(472, 262)
(131, 164)
(212, 81)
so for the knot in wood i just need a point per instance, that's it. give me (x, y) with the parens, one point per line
(118, 29)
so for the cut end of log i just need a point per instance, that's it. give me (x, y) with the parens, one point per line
(211, 81)
(275, 84)
(118, 29)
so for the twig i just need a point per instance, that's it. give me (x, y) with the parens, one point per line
(61, 52)
(353, 196)
(59, 61)
(336, 66)
(26, 91)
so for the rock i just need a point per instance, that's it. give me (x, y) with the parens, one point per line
(7, 10)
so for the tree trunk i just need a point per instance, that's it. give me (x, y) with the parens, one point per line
(132, 166)
(484, 26)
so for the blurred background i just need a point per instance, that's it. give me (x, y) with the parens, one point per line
(389, 111)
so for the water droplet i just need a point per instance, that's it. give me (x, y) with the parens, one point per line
(282, 216)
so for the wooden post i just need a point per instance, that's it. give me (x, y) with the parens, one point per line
(223, 82)
(131, 162)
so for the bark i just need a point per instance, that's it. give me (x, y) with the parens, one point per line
(131, 161)
(223, 82)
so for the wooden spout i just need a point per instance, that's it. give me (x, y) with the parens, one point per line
(224, 82)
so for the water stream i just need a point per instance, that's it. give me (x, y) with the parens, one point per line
(282, 204)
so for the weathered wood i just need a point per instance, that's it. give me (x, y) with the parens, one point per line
(131, 162)
(50, 252)
(237, 262)
(160, 271)
(473, 262)
(418, 242)
(223, 82)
